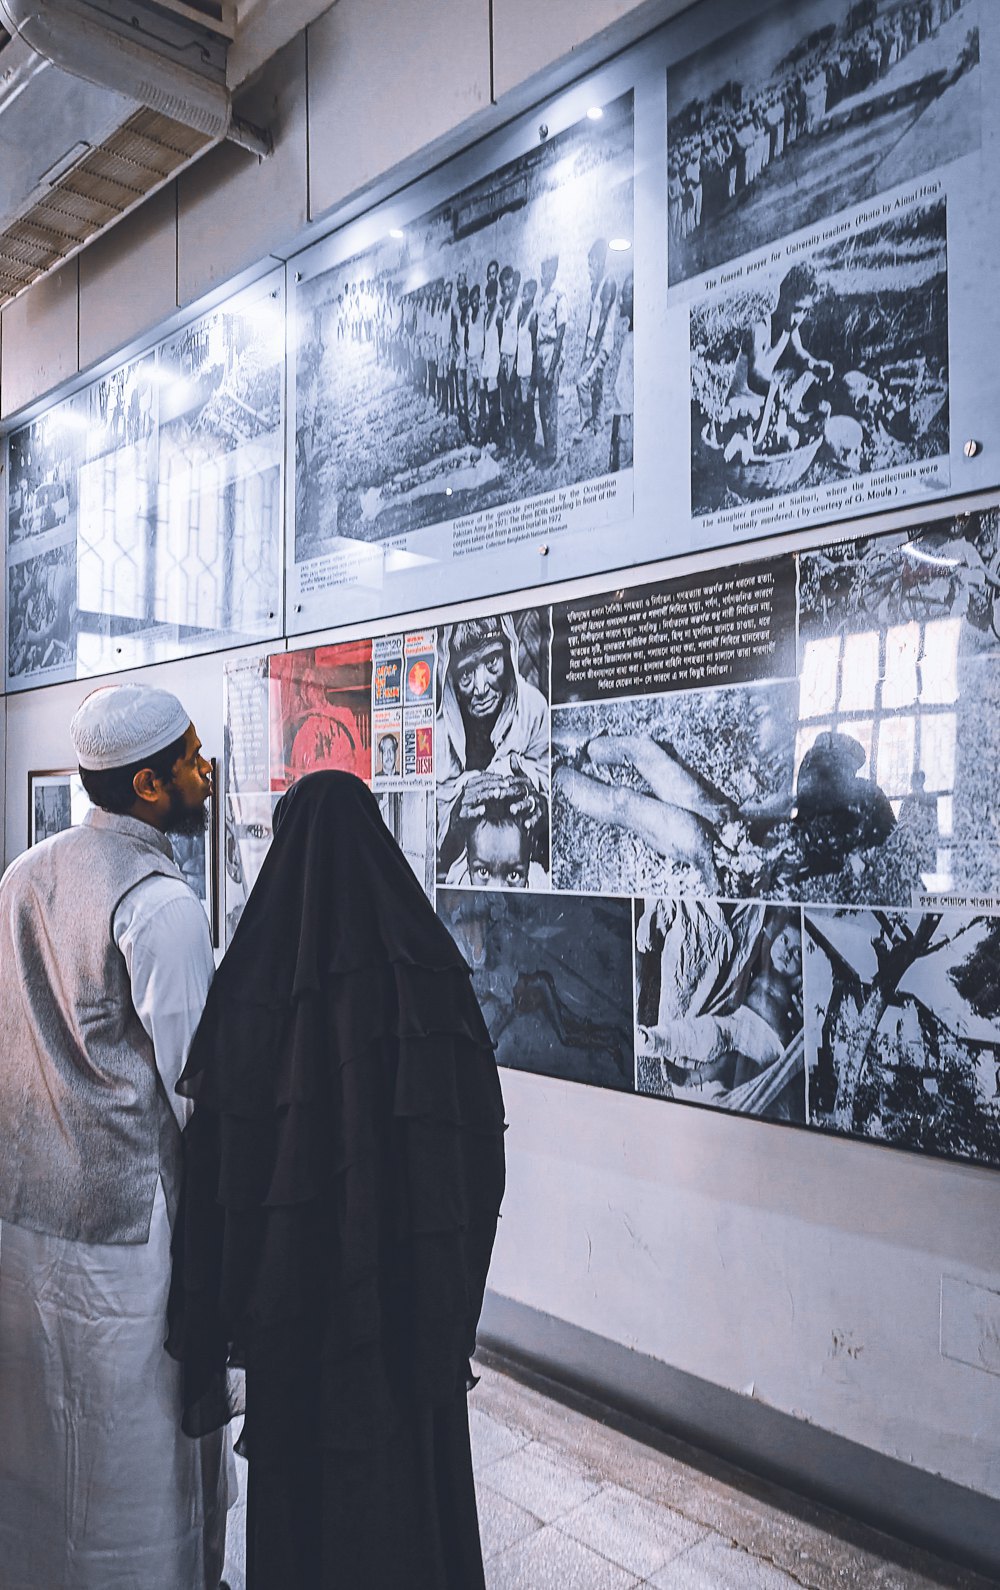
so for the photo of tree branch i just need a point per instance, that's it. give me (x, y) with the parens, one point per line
(903, 1029)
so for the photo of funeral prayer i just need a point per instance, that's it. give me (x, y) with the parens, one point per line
(481, 355)
(898, 688)
(903, 1028)
(808, 108)
(42, 612)
(553, 976)
(492, 751)
(824, 370)
(719, 1006)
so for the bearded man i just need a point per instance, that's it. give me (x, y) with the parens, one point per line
(105, 963)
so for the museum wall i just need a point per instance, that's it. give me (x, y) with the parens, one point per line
(851, 1286)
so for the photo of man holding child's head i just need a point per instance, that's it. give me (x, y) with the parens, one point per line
(493, 752)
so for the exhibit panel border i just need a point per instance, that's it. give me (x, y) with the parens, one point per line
(725, 838)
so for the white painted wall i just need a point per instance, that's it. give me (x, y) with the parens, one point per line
(800, 1270)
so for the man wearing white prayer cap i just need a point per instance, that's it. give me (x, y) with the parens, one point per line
(105, 963)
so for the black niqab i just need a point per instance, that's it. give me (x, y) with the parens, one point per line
(343, 1177)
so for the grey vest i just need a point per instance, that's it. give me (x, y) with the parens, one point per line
(82, 1109)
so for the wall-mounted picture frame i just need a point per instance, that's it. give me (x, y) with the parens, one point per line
(57, 800)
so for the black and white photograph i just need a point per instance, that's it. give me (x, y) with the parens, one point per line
(808, 109)
(554, 978)
(688, 794)
(410, 818)
(120, 410)
(43, 459)
(492, 751)
(221, 445)
(719, 1006)
(899, 695)
(42, 614)
(480, 356)
(945, 572)
(116, 542)
(827, 374)
(194, 854)
(56, 801)
(247, 837)
(903, 1029)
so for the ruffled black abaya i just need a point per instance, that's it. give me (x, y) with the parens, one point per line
(343, 1176)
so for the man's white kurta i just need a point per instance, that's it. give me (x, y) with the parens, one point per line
(99, 1489)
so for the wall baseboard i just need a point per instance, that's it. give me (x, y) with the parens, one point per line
(917, 1508)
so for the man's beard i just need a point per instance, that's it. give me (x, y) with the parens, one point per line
(183, 819)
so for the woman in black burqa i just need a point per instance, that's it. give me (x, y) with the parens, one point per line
(343, 1175)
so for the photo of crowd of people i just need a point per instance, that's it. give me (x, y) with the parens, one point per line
(826, 370)
(807, 109)
(481, 355)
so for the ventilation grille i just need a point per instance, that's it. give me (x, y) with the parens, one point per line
(108, 182)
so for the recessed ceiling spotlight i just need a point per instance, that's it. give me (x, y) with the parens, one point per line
(620, 244)
(397, 231)
(594, 113)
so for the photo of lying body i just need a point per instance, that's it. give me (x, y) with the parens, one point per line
(719, 1006)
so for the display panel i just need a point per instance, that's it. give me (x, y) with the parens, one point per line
(145, 513)
(726, 839)
(463, 385)
(828, 181)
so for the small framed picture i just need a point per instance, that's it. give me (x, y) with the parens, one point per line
(57, 800)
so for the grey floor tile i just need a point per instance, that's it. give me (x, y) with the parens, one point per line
(550, 1560)
(543, 1481)
(501, 1522)
(716, 1564)
(637, 1534)
(491, 1439)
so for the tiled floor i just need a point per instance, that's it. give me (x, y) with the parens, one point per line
(566, 1503)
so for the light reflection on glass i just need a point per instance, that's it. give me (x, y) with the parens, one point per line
(818, 683)
(859, 672)
(892, 690)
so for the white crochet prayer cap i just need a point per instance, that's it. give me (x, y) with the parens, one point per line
(121, 724)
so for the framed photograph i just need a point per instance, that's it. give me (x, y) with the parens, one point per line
(57, 800)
